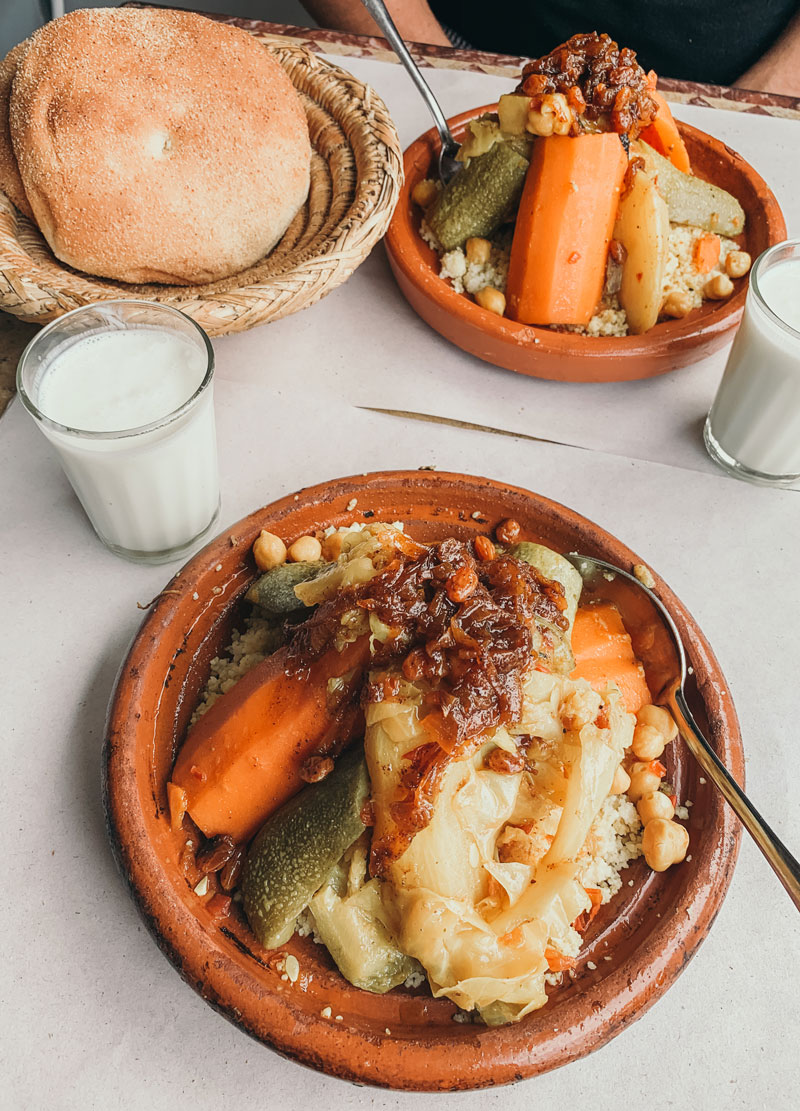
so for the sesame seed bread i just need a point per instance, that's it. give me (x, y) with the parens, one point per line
(10, 181)
(157, 146)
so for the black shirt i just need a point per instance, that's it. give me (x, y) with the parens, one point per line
(699, 40)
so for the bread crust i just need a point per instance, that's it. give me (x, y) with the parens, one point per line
(10, 181)
(157, 146)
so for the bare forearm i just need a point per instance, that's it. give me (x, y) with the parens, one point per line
(414, 19)
(778, 71)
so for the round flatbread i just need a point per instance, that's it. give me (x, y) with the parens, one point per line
(10, 181)
(157, 146)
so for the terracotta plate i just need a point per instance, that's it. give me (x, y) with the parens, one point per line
(404, 1039)
(564, 356)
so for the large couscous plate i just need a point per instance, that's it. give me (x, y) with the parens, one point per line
(564, 356)
(636, 947)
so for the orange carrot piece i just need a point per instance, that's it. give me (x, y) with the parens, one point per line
(583, 920)
(596, 896)
(514, 939)
(242, 759)
(556, 961)
(663, 136)
(603, 653)
(563, 229)
(705, 254)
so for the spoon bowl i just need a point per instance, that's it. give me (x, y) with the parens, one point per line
(657, 644)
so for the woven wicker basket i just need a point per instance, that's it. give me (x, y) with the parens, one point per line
(356, 173)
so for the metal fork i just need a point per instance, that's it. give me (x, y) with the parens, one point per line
(448, 167)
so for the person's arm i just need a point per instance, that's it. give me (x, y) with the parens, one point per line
(414, 19)
(778, 71)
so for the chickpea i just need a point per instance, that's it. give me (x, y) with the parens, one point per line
(737, 263)
(491, 299)
(539, 123)
(305, 549)
(718, 288)
(643, 781)
(677, 304)
(648, 742)
(664, 843)
(660, 719)
(268, 551)
(655, 805)
(621, 782)
(553, 116)
(424, 193)
(332, 546)
(478, 250)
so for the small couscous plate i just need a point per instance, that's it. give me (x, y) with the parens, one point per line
(542, 352)
(294, 999)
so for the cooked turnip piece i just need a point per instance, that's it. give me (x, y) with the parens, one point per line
(643, 229)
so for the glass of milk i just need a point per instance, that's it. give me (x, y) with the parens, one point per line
(123, 390)
(753, 429)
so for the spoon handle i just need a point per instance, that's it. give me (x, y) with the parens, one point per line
(785, 866)
(377, 9)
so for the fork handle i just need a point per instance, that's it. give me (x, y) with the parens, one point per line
(785, 866)
(377, 9)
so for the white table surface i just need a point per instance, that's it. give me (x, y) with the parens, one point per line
(92, 1015)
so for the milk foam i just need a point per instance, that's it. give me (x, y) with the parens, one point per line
(117, 380)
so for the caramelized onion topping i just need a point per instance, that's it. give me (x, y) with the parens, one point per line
(606, 87)
(464, 631)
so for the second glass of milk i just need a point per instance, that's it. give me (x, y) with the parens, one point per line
(753, 429)
(123, 390)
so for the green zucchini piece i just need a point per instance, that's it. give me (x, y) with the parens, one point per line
(480, 197)
(351, 929)
(483, 133)
(274, 591)
(554, 566)
(690, 199)
(300, 845)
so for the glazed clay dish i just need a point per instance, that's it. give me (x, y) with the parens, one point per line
(563, 356)
(633, 950)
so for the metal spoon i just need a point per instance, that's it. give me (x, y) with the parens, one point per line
(448, 167)
(664, 662)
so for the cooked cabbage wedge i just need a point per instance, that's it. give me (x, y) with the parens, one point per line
(493, 881)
